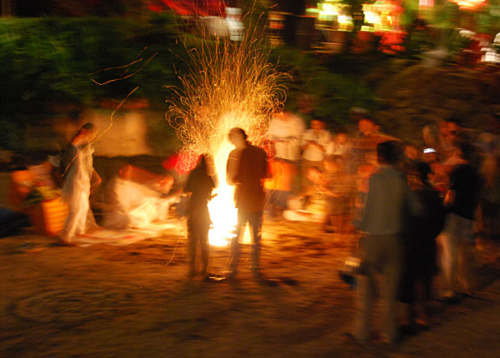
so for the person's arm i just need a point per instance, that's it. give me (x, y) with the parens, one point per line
(306, 141)
(95, 180)
(449, 198)
(370, 205)
(323, 141)
(232, 168)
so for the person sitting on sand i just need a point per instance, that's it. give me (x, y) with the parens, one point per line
(135, 198)
(314, 204)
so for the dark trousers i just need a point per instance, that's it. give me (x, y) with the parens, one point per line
(254, 219)
(198, 235)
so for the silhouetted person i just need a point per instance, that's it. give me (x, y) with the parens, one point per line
(420, 266)
(247, 167)
(200, 184)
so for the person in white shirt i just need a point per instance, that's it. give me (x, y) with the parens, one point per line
(284, 136)
(314, 144)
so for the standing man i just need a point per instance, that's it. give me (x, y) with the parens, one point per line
(314, 145)
(247, 168)
(80, 179)
(381, 247)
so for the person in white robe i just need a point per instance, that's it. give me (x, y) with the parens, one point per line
(80, 179)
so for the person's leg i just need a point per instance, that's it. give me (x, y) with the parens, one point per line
(255, 221)
(466, 256)
(391, 276)
(205, 250)
(235, 242)
(450, 251)
(75, 224)
(192, 243)
(365, 296)
(365, 292)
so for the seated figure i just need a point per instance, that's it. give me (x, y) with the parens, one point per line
(314, 204)
(136, 198)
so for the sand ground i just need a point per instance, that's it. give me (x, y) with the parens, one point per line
(135, 301)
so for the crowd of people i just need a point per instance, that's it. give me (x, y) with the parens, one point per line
(415, 212)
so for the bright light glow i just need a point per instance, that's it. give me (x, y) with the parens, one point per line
(469, 4)
(228, 84)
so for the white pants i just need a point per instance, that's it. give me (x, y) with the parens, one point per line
(456, 240)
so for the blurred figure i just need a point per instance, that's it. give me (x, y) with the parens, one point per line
(367, 127)
(339, 145)
(450, 131)
(313, 204)
(490, 170)
(247, 168)
(411, 158)
(382, 225)
(457, 238)
(136, 197)
(284, 137)
(342, 188)
(314, 144)
(365, 141)
(80, 180)
(200, 184)
(420, 266)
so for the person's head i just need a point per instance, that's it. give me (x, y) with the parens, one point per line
(367, 126)
(88, 129)
(205, 162)
(317, 125)
(237, 136)
(85, 134)
(450, 130)
(125, 172)
(341, 136)
(166, 182)
(411, 152)
(388, 152)
(454, 127)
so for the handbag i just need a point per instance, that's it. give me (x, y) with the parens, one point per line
(354, 265)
